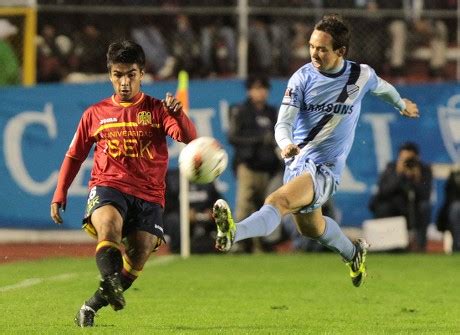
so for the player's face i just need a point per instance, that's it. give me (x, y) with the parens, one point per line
(258, 93)
(323, 57)
(126, 80)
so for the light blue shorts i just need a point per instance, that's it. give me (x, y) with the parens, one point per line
(324, 181)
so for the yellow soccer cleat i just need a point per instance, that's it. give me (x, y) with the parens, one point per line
(358, 264)
(225, 225)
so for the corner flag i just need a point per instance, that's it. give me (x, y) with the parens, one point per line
(182, 90)
(182, 96)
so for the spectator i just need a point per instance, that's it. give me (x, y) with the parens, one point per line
(90, 52)
(404, 189)
(299, 45)
(251, 132)
(414, 31)
(186, 48)
(10, 65)
(161, 61)
(202, 227)
(260, 45)
(449, 215)
(53, 52)
(218, 48)
(281, 50)
(370, 49)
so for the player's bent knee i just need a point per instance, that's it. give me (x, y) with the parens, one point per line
(310, 225)
(310, 231)
(139, 256)
(109, 235)
(279, 201)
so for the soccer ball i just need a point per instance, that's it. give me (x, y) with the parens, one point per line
(203, 160)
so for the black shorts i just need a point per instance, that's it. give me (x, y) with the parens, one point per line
(137, 214)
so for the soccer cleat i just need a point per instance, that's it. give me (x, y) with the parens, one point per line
(225, 226)
(85, 317)
(358, 264)
(111, 289)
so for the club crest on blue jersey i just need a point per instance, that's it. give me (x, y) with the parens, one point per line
(287, 96)
(290, 97)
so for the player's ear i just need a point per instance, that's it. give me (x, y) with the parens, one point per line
(110, 75)
(341, 52)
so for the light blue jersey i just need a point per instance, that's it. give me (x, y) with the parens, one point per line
(327, 110)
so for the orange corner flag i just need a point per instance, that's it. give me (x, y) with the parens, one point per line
(182, 90)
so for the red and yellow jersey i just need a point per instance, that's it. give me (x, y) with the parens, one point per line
(131, 153)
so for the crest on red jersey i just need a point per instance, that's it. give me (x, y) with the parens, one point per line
(144, 118)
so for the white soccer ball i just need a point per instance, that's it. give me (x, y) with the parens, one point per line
(203, 160)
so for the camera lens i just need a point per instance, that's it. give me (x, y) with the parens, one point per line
(410, 163)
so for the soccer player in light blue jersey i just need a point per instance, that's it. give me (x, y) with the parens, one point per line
(315, 131)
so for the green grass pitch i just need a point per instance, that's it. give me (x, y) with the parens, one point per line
(231, 294)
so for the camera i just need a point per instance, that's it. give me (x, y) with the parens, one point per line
(411, 163)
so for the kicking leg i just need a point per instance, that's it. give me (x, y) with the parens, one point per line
(287, 199)
(139, 247)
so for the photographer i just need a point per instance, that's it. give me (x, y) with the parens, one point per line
(404, 189)
(448, 217)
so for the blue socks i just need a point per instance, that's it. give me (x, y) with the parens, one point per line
(266, 219)
(334, 239)
(260, 223)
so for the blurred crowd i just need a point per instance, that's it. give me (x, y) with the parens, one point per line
(392, 36)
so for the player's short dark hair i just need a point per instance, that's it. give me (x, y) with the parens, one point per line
(125, 52)
(334, 26)
(257, 79)
(409, 146)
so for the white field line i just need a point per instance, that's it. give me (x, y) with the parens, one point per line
(35, 281)
(29, 282)
(161, 260)
(44, 236)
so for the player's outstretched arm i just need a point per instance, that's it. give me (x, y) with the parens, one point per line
(389, 94)
(411, 109)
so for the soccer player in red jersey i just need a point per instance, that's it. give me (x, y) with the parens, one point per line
(127, 184)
